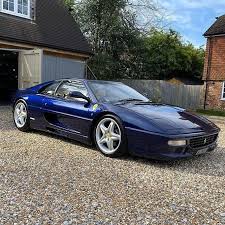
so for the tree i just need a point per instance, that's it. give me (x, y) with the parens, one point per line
(194, 61)
(113, 31)
(167, 56)
(124, 47)
(69, 4)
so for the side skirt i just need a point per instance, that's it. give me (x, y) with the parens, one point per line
(66, 134)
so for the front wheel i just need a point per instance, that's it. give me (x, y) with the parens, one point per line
(109, 136)
(21, 118)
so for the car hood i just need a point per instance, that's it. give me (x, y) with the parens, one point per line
(171, 119)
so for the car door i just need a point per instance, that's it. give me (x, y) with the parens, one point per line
(35, 104)
(69, 114)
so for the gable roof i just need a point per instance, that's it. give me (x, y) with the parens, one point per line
(217, 28)
(53, 27)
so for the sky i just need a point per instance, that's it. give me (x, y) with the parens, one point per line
(191, 18)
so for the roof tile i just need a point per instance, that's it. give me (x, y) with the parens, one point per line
(217, 28)
(54, 27)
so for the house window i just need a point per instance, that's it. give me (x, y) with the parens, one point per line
(8, 5)
(23, 7)
(223, 91)
(16, 7)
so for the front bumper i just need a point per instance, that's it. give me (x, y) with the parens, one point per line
(186, 152)
(155, 146)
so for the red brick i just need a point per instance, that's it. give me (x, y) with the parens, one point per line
(214, 94)
(214, 72)
(214, 68)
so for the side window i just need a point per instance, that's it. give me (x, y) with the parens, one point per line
(68, 87)
(50, 89)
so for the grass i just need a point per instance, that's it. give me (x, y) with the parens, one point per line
(211, 112)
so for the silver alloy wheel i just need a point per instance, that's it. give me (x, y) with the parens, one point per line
(108, 136)
(20, 115)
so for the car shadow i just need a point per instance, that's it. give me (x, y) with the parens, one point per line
(212, 164)
(61, 138)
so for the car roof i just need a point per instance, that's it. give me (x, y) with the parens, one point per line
(85, 80)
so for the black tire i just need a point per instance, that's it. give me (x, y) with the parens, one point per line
(26, 126)
(122, 149)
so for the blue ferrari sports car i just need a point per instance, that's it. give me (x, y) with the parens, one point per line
(114, 117)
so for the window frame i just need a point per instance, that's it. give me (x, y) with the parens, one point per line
(40, 92)
(15, 12)
(71, 99)
(223, 91)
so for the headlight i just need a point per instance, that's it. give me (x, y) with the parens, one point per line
(177, 143)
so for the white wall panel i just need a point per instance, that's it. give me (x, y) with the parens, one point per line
(59, 68)
(30, 68)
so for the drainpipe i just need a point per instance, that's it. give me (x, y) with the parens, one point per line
(208, 70)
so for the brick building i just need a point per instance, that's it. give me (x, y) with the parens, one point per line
(214, 69)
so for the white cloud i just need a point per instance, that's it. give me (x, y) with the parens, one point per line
(192, 17)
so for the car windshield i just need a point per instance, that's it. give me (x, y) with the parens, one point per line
(113, 92)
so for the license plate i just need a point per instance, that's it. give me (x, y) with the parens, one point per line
(202, 151)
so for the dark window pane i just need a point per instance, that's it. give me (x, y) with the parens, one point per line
(6, 5)
(50, 90)
(20, 9)
(25, 2)
(25, 10)
(11, 6)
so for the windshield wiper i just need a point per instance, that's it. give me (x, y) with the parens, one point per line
(129, 100)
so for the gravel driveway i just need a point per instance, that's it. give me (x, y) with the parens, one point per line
(50, 180)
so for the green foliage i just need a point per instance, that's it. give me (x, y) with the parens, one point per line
(111, 30)
(211, 112)
(69, 4)
(123, 50)
(167, 56)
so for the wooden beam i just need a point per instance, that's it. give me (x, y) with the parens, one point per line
(67, 54)
(6, 46)
(63, 55)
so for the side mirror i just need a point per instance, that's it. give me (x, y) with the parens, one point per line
(77, 94)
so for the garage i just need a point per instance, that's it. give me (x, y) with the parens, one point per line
(21, 69)
(38, 46)
(8, 74)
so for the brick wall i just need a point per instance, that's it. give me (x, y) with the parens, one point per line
(214, 94)
(214, 72)
(215, 59)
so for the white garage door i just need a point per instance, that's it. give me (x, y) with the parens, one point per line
(61, 68)
(30, 68)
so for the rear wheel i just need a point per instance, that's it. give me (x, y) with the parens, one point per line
(21, 118)
(109, 136)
